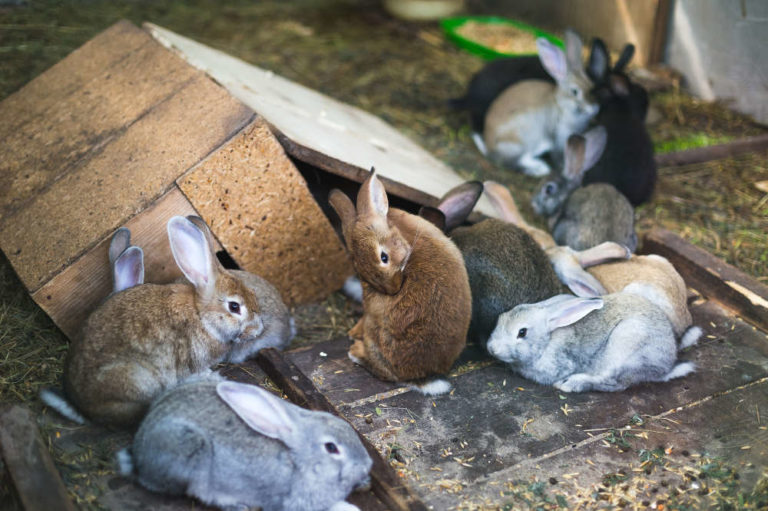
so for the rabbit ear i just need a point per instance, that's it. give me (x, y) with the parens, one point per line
(573, 50)
(433, 216)
(599, 61)
(604, 252)
(261, 411)
(624, 58)
(574, 158)
(372, 198)
(595, 140)
(569, 311)
(459, 202)
(343, 206)
(192, 253)
(504, 203)
(128, 270)
(571, 273)
(553, 59)
(121, 240)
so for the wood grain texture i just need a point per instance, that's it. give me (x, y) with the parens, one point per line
(29, 463)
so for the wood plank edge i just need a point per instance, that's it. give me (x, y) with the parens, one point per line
(713, 152)
(385, 483)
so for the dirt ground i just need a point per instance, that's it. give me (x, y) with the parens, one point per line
(404, 72)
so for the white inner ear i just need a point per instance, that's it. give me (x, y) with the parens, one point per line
(378, 197)
(191, 252)
(129, 269)
(570, 311)
(553, 59)
(261, 411)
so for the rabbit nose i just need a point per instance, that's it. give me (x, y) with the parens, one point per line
(364, 485)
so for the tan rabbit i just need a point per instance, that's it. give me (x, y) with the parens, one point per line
(146, 338)
(416, 295)
(651, 276)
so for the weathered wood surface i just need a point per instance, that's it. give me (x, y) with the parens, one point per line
(712, 277)
(29, 463)
(713, 152)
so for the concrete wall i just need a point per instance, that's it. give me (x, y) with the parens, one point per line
(721, 47)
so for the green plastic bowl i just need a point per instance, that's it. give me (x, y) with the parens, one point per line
(451, 25)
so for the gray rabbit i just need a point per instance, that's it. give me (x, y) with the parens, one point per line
(583, 217)
(237, 446)
(580, 344)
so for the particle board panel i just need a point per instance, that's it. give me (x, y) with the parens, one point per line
(325, 132)
(54, 141)
(70, 74)
(73, 294)
(261, 210)
(125, 177)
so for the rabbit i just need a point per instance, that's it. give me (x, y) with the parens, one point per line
(126, 261)
(533, 117)
(612, 266)
(148, 337)
(582, 217)
(238, 446)
(579, 344)
(628, 161)
(416, 296)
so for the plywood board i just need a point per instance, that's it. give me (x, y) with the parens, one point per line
(324, 126)
(258, 205)
(119, 180)
(73, 294)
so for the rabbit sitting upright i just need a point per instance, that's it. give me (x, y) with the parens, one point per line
(533, 117)
(583, 217)
(146, 338)
(237, 446)
(416, 295)
(580, 344)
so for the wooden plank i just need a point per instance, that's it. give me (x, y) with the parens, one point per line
(260, 208)
(659, 35)
(27, 459)
(384, 481)
(713, 152)
(123, 178)
(73, 294)
(54, 141)
(712, 277)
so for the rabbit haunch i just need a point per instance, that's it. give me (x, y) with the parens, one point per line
(204, 437)
(416, 296)
(582, 344)
(148, 337)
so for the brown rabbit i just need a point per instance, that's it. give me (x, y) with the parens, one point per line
(146, 338)
(416, 297)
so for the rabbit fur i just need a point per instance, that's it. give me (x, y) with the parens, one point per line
(581, 344)
(238, 446)
(533, 117)
(146, 338)
(582, 217)
(416, 296)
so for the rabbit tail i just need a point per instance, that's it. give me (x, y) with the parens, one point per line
(125, 462)
(353, 289)
(55, 400)
(477, 138)
(434, 387)
(690, 337)
(681, 369)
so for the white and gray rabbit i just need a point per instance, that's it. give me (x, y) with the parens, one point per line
(583, 217)
(237, 446)
(533, 117)
(581, 344)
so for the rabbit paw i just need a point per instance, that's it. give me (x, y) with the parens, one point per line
(344, 506)
(533, 166)
(357, 352)
(575, 383)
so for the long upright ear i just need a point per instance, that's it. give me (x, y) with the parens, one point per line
(573, 50)
(344, 208)
(624, 58)
(261, 411)
(568, 312)
(128, 270)
(434, 216)
(504, 203)
(599, 61)
(459, 202)
(372, 198)
(574, 158)
(553, 59)
(602, 253)
(595, 140)
(120, 241)
(193, 254)
(200, 224)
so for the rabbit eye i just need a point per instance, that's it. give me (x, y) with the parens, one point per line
(521, 333)
(234, 307)
(549, 189)
(384, 257)
(574, 91)
(331, 448)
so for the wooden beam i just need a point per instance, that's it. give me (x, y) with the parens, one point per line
(29, 463)
(713, 152)
(712, 277)
(659, 35)
(384, 481)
